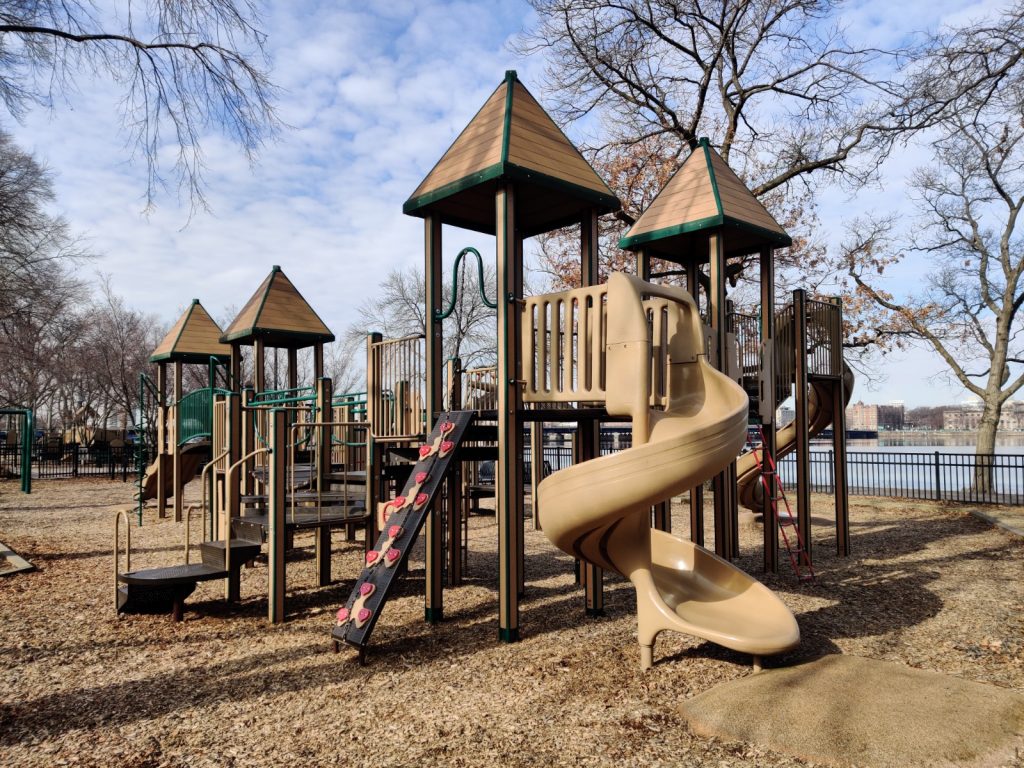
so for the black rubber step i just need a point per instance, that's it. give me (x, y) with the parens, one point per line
(173, 575)
(242, 551)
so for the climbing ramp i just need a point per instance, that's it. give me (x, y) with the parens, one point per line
(403, 518)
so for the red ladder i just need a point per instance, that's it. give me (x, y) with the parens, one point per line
(786, 521)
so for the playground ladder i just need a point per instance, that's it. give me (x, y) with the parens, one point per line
(787, 520)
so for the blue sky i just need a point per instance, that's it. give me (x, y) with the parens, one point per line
(374, 92)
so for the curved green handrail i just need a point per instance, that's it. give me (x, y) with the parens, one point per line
(438, 314)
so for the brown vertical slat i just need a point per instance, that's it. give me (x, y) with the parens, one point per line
(717, 315)
(803, 456)
(766, 409)
(432, 268)
(508, 477)
(178, 481)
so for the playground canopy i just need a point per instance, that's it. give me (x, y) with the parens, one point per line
(195, 338)
(704, 195)
(278, 316)
(511, 138)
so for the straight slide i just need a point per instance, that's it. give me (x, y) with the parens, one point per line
(599, 510)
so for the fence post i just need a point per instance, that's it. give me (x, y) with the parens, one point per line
(74, 460)
(938, 479)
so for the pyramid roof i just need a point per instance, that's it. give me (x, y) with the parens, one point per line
(511, 138)
(195, 338)
(279, 316)
(704, 195)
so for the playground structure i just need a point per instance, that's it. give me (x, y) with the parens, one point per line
(513, 174)
(272, 456)
(183, 426)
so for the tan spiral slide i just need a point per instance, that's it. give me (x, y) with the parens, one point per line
(599, 510)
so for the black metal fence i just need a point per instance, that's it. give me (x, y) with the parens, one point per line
(967, 477)
(62, 461)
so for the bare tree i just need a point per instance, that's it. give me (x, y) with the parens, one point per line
(399, 310)
(182, 66)
(969, 201)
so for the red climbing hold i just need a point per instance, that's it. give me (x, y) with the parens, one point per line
(371, 556)
(366, 589)
(447, 427)
(394, 531)
(421, 478)
(421, 499)
(446, 446)
(364, 614)
(393, 555)
(425, 450)
(342, 615)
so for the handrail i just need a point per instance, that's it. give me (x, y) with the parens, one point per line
(316, 463)
(438, 314)
(118, 516)
(227, 484)
(202, 482)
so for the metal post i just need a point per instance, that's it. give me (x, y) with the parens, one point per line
(453, 489)
(178, 480)
(373, 461)
(717, 312)
(278, 480)
(324, 394)
(803, 453)
(161, 439)
(433, 609)
(509, 475)
(589, 431)
(840, 488)
(766, 411)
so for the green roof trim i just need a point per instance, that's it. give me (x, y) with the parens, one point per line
(778, 239)
(506, 126)
(298, 335)
(705, 144)
(508, 171)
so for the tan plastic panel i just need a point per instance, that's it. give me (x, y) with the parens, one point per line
(600, 510)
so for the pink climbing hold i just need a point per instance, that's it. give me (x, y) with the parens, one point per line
(371, 556)
(364, 614)
(393, 555)
(421, 499)
(426, 450)
(395, 531)
(446, 446)
(366, 589)
(421, 478)
(399, 502)
(447, 427)
(342, 615)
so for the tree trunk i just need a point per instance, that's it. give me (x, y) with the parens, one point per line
(986, 446)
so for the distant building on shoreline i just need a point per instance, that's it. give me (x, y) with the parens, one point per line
(966, 417)
(861, 417)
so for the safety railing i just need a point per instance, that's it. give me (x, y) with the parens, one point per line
(194, 416)
(395, 381)
(824, 338)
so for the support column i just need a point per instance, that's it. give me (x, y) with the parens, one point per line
(453, 487)
(259, 372)
(803, 450)
(590, 431)
(318, 360)
(247, 483)
(434, 536)
(717, 315)
(697, 492)
(276, 516)
(509, 475)
(373, 462)
(232, 501)
(175, 448)
(766, 410)
(161, 440)
(841, 489)
(536, 468)
(293, 368)
(324, 394)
